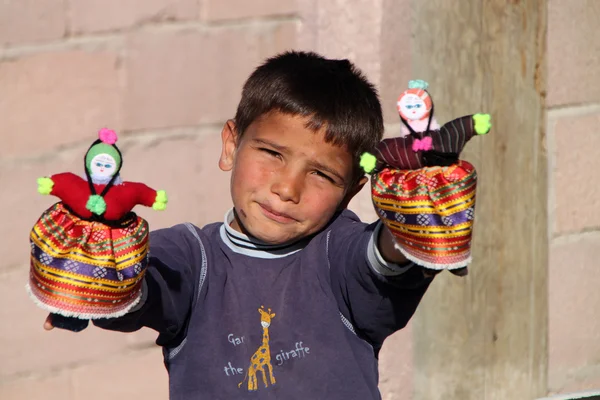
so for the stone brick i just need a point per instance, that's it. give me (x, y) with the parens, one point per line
(187, 169)
(217, 10)
(32, 349)
(577, 185)
(573, 52)
(136, 375)
(574, 327)
(395, 56)
(25, 204)
(57, 386)
(53, 99)
(396, 367)
(28, 21)
(190, 77)
(279, 38)
(337, 30)
(107, 15)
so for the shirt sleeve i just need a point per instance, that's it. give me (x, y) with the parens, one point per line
(177, 266)
(377, 297)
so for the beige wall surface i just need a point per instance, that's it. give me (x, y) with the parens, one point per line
(574, 199)
(166, 74)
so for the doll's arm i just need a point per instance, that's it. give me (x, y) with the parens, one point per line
(157, 199)
(396, 153)
(454, 135)
(60, 185)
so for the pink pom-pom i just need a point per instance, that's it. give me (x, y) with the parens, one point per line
(107, 136)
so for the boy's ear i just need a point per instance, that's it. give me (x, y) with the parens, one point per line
(229, 140)
(353, 191)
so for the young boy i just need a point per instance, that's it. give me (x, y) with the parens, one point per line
(292, 296)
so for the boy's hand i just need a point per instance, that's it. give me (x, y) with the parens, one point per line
(48, 323)
(45, 185)
(428, 213)
(67, 323)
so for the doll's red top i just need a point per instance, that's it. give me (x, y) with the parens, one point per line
(74, 191)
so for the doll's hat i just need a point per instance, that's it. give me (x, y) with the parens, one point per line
(105, 144)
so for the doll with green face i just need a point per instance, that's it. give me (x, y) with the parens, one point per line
(89, 250)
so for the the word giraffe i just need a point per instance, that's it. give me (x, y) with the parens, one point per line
(262, 357)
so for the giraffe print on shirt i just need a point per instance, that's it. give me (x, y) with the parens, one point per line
(261, 358)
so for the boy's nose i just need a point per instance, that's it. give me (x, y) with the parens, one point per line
(288, 187)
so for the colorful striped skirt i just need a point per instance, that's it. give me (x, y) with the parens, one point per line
(87, 269)
(430, 212)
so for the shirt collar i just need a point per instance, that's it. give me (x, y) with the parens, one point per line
(247, 245)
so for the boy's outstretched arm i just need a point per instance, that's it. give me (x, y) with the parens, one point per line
(170, 287)
(387, 249)
(376, 295)
(389, 252)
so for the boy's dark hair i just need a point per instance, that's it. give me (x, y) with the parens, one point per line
(333, 93)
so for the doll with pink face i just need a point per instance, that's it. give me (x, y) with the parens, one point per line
(422, 141)
(421, 189)
(415, 108)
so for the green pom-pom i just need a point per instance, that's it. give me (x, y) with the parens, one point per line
(161, 196)
(418, 84)
(96, 204)
(45, 185)
(160, 202)
(482, 123)
(368, 162)
(159, 206)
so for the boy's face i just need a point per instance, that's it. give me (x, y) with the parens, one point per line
(286, 181)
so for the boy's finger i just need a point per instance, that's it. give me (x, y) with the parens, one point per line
(428, 273)
(48, 323)
(460, 271)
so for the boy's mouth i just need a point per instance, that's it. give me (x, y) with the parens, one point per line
(274, 215)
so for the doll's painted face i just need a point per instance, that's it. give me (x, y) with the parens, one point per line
(103, 166)
(412, 107)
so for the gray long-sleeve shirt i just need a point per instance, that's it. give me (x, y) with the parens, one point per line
(239, 319)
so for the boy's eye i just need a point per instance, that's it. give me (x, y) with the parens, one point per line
(270, 152)
(107, 165)
(98, 164)
(325, 176)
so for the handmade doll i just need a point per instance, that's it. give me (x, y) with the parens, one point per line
(416, 109)
(424, 193)
(89, 251)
